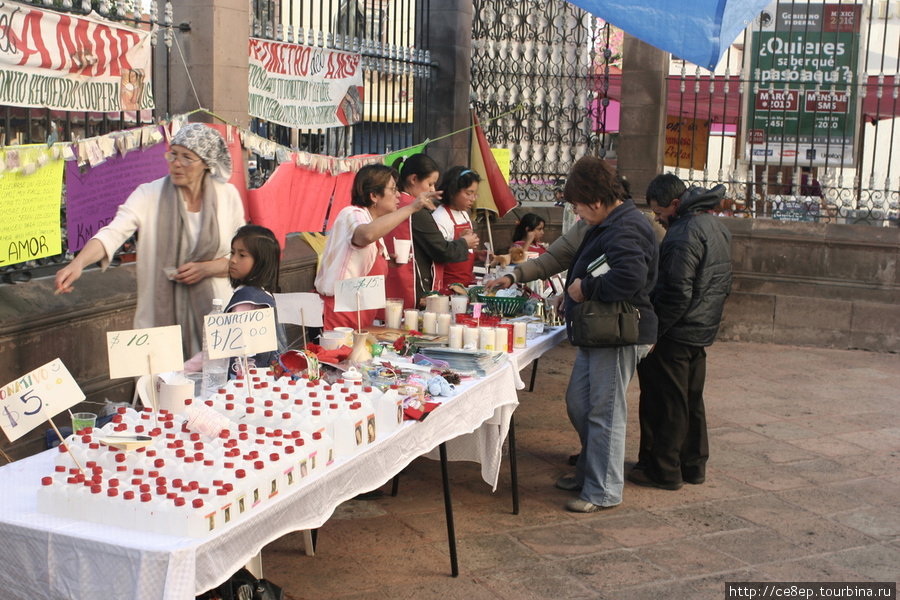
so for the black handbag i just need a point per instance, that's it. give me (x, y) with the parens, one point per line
(595, 324)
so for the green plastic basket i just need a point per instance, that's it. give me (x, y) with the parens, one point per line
(505, 307)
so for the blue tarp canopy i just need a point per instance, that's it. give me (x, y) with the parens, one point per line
(698, 31)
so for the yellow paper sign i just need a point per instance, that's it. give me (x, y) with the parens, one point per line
(35, 397)
(502, 156)
(144, 351)
(29, 204)
(240, 333)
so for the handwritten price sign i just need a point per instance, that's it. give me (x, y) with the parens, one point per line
(33, 398)
(370, 291)
(241, 333)
(132, 353)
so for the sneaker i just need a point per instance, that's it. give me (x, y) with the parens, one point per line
(583, 506)
(568, 483)
(641, 478)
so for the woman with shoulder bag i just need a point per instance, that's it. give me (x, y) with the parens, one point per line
(605, 362)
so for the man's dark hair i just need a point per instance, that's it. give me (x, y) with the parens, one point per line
(665, 188)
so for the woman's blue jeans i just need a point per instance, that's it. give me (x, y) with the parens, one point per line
(595, 401)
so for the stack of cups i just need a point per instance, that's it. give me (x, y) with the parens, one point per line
(458, 304)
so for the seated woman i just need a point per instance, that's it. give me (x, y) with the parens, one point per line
(355, 247)
(529, 234)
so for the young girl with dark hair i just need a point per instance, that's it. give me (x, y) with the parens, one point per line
(460, 189)
(529, 233)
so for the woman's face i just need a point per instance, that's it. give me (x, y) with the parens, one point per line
(241, 262)
(538, 233)
(592, 214)
(185, 167)
(465, 198)
(416, 186)
(387, 202)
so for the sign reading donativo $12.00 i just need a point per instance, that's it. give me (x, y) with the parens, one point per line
(803, 99)
(241, 333)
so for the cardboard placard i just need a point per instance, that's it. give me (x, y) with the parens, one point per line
(300, 309)
(240, 333)
(369, 290)
(133, 351)
(29, 401)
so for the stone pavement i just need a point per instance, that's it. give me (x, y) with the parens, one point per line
(803, 484)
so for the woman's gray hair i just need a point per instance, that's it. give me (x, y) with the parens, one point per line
(208, 144)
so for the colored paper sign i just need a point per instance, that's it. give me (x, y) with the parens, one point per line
(137, 352)
(304, 86)
(502, 158)
(804, 105)
(65, 62)
(30, 400)
(686, 143)
(300, 309)
(240, 333)
(29, 205)
(364, 293)
(94, 194)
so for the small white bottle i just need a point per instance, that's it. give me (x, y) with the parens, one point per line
(389, 411)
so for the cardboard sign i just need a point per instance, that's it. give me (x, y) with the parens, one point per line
(30, 400)
(135, 351)
(369, 290)
(300, 309)
(240, 333)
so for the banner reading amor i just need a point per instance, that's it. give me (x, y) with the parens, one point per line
(64, 62)
(304, 87)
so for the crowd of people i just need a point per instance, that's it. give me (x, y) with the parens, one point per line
(678, 287)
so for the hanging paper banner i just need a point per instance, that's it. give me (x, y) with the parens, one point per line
(29, 204)
(94, 194)
(303, 86)
(60, 61)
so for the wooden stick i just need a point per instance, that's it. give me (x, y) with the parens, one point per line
(245, 364)
(492, 251)
(358, 314)
(154, 399)
(303, 327)
(63, 441)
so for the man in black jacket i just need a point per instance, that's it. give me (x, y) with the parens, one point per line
(694, 280)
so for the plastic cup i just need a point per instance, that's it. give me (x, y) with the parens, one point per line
(402, 249)
(458, 304)
(83, 420)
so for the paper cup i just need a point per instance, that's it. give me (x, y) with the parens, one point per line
(402, 249)
(348, 334)
(332, 340)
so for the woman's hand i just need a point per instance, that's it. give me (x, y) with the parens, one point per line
(574, 291)
(471, 238)
(500, 283)
(558, 302)
(66, 276)
(426, 200)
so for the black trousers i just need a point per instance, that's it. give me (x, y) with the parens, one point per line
(674, 443)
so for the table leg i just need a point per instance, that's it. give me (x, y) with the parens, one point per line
(448, 510)
(513, 466)
(533, 374)
(395, 486)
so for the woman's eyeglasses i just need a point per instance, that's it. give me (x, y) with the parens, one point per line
(183, 160)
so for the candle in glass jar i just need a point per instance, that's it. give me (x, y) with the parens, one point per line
(443, 324)
(429, 322)
(393, 312)
(456, 336)
(500, 339)
(410, 319)
(486, 338)
(470, 337)
(520, 332)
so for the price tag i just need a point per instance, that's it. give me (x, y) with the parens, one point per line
(33, 398)
(370, 291)
(241, 333)
(300, 308)
(132, 352)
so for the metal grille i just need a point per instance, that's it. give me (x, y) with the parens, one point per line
(391, 36)
(548, 57)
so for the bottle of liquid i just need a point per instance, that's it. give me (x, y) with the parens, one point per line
(215, 370)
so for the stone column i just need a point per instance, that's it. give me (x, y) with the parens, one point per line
(447, 109)
(642, 123)
(216, 51)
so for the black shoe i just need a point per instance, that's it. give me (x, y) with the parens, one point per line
(641, 478)
(695, 480)
(573, 460)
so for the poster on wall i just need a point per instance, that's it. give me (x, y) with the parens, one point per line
(687, 141)
(64, 62)
(29, 204)
(803, 104)
(304, 86)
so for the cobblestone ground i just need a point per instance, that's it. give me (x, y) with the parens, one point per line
(803, 484)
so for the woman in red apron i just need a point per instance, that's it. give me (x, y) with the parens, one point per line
(355, 247)
(460, 190)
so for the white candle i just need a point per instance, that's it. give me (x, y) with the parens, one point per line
(411, 319)
(456, 336)
(486, 338)
(393, 312)
(458, 304)
(470, 337)
(500, 339)
(443, 324)
(520, 331)
(429, 322)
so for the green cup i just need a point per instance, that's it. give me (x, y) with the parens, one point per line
(82, 420)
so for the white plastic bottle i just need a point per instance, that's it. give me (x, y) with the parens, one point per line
(215, 370)
(389, 411)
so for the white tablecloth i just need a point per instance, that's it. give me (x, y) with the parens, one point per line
(46, 557)
(522, 357)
